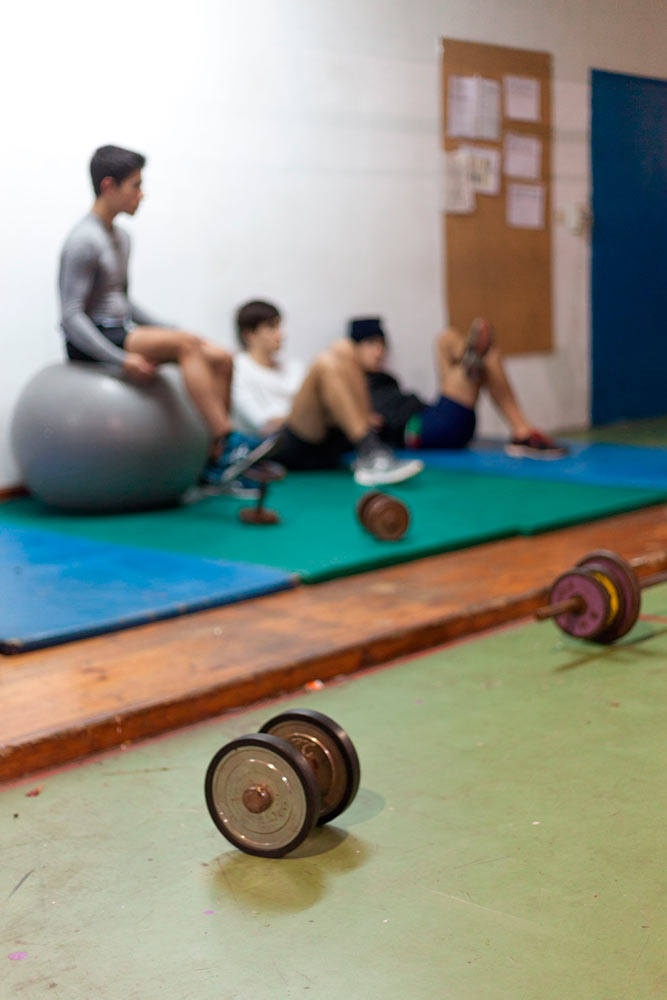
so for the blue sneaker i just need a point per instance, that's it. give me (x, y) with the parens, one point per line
(237, 446)
(226, 472)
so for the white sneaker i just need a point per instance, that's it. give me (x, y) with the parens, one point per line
(381, 467)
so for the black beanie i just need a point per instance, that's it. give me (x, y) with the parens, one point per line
(365, 328)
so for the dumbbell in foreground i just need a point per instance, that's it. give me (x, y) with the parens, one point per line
(599, 599)
(266, 791)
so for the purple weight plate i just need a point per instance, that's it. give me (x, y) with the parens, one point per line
(611, 633)
(625, 579)
(594, 619)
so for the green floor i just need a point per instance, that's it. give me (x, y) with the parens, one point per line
(649, 433)
(507, 842)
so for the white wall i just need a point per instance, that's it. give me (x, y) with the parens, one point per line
(293, 154)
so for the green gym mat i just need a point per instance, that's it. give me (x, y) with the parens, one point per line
(320, 538)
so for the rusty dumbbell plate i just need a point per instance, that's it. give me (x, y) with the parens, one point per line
(384, 516)
(595, 614)
(329, 752)
(627, 585)
(259, 515)
(263, 472)
(262, 795)
(616, 600)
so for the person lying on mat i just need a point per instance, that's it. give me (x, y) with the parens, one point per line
(320, 413)
(464, 366)
(102, 324)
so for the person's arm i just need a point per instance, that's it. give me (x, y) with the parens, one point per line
(77, 273)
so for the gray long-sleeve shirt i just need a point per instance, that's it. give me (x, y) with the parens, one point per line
(93, 288)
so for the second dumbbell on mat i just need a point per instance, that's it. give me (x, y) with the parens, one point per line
(262, 473)
(599, 599)
(266, 791)
(384, 516)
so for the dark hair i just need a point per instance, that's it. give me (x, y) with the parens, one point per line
(113, 161)
(366, 328)
(253, 314)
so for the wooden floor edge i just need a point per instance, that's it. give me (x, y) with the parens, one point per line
(49, 749)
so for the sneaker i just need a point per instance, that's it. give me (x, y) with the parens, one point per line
(238, 461)
(240, 453)
(535, 445)
(212, 482)
(480, 338)
(381, 467)
(238, 489)
(241, 489)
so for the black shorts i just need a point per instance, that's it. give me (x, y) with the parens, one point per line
(304, 456)
(116, 334)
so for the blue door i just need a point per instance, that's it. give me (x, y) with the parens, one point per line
(629, 248)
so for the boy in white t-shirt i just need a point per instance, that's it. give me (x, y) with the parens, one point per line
(320, 413)
(264, 384)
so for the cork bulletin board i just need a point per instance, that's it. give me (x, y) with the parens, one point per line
(498, 253)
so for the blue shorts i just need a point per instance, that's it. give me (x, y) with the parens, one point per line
(445, 424)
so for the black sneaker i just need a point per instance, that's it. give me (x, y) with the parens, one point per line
(535, 445)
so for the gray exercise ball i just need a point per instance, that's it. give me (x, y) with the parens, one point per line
(86, 439)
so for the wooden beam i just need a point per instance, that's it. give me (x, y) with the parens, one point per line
(68, 701)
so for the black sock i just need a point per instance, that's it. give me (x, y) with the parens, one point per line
(369, 443)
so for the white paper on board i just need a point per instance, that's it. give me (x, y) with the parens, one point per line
(488, 126)
(459, 191)
(522, 156)
(473, 107)
(461, 105)
(484, 169)
(522, 98)
(525, 206)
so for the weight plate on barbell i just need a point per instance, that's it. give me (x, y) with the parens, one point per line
(262, 795)
(627, 583)
(329, 752)
(384, 516)
(616, 600)
(363, 501)
(259, 515)
(595, 614)
(265, 471)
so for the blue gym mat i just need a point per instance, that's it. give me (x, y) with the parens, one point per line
(55, 587)
(597, 464)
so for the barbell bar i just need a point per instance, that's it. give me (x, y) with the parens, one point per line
(599, 598)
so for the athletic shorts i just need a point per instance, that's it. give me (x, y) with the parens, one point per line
(304, 456)
(116, 334)
(445, 424)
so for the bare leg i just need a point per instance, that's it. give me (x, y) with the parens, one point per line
(502, 394)
(334, 394)
(222, 366)
(206, 369)
(457, 385)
